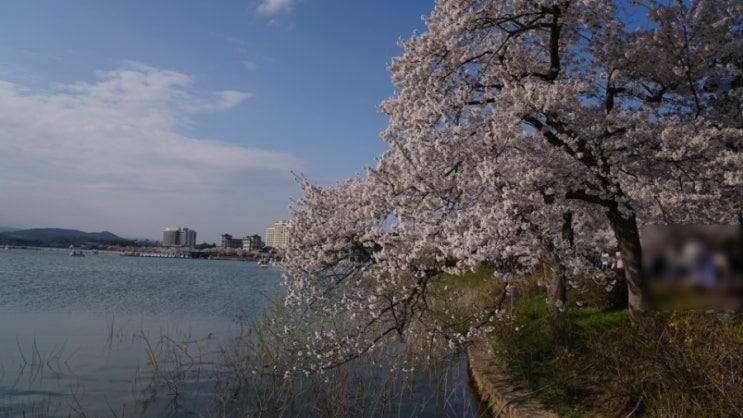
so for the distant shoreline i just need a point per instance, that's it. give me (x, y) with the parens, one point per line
(159, 253)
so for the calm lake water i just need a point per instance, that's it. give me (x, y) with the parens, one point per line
(77, 333)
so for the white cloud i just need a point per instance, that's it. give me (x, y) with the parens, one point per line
(249, 65)
(221, 100)
(117, 139)
(271, 7)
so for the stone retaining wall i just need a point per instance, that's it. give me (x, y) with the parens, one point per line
(504, 397)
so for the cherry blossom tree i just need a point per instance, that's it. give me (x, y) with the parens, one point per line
(563, 99)
(524, 132)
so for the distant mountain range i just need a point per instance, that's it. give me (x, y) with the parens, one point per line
(6, 229)
(53, 237)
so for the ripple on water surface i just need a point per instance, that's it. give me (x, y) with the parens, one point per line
(75, 331)
(48, 280)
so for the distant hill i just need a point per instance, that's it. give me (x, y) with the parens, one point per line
(60, 237)
(7, 229)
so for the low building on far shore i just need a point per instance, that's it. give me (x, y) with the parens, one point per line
(247, 243)
(229, 242)
(252, 243)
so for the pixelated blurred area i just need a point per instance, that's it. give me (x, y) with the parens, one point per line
(694, 266)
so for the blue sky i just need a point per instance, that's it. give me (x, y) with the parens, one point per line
(135, 115)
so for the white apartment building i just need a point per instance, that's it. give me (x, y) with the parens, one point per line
(277, 235)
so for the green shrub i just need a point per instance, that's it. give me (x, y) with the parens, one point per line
(597, 360)
(687, 364)
(592, 361)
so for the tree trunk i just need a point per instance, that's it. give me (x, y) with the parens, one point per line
(558, 292)
(560, 297)
(628, 238)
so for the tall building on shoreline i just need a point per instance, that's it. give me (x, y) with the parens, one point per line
(277, 235)
(179, 237)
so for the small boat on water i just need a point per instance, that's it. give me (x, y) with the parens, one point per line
(263, 263)
(7, 247)
(76, 252)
